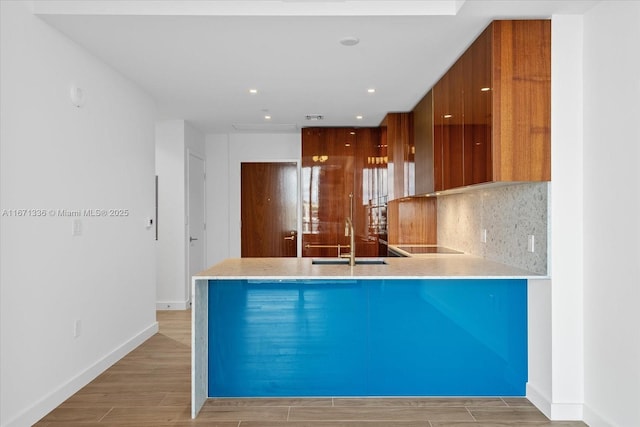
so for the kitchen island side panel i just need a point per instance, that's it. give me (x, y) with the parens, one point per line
(417, 337)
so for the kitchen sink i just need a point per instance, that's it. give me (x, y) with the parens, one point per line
(345, 261)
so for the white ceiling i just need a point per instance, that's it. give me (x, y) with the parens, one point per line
(198, 59)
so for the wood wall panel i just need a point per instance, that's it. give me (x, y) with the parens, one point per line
(413, 221)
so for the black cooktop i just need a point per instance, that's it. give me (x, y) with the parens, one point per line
(427, 249)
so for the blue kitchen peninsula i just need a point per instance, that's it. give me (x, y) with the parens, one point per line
(443, 325)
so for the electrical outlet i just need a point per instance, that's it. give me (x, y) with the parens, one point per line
(483, 235)
(531, 243)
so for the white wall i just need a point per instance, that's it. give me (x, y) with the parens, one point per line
(584, 360)
(217, 199)
(612, 214)
(174, 140)
(56, 156)
(238, 148)
(171, 244)
(566, 261)
(555, 312)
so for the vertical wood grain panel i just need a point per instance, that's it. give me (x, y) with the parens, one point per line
(413, 221)
(477, 110)
(336, 162)
(269, 209)
(398, 131)
(438, 136)
(505, 129)
(522, 107)
(423, 140)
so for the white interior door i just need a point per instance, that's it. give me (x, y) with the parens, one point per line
(195, 218)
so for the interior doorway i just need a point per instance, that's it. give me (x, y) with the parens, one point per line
(269, 209)
(196, 227)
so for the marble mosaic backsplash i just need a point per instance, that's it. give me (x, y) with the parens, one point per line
(509, 214)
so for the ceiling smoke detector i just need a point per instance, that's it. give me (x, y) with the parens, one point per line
(314, 117)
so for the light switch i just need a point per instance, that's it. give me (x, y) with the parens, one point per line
(531, 243)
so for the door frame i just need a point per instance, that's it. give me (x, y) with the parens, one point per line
(298, 163)
(190, 153)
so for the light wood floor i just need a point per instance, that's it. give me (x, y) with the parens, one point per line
(151, 387)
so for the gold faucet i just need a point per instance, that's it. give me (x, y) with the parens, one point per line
(352, 235)
(352, 244)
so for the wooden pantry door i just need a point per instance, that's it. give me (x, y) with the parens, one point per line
(269, 209)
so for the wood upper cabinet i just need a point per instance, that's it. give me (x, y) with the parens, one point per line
(423, 142)
(397, 138)
(477, 113)
(448, 103)
(492, 108)
(521, 135)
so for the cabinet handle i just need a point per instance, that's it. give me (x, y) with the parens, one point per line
(290, 238)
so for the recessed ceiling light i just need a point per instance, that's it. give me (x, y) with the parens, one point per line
(267, 117)
(371, 90)
(359, 117)
(349, 41)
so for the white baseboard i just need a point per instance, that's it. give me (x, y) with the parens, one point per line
(567, 411)
(172, 305)
(594, 419)
(539, 400)
(41, 408)
(554, 411)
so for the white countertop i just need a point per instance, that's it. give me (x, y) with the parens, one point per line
(433, 266)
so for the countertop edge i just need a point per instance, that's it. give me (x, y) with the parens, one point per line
(292, 278)
(436, 267)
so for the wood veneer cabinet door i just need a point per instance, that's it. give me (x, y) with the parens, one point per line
(477, 110)
(423, 142)
(453, 153)
(438, 124)
(342, 174)
(369, 192)
(521, 134)
(398, 136)
(448, 105)
(327, 181)
(492, 108)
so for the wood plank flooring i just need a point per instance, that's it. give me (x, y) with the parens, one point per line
(151, 387)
